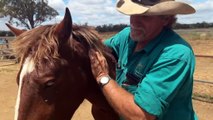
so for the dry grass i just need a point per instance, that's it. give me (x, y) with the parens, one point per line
(196, 34)
(204, 70)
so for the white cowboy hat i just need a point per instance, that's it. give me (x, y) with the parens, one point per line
(153, 7)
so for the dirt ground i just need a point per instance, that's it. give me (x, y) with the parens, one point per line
(204, 70)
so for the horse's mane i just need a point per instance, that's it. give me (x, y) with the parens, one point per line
(42, 43)
(91, 37)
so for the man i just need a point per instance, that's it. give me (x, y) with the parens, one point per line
(154, 75)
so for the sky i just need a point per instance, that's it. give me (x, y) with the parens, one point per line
(99, 12)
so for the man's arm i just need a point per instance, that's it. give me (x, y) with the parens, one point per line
(123, 103)
(121, 100)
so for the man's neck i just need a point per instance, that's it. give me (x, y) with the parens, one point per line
(140, 45)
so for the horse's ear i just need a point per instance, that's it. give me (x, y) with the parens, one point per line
(64, 28)
(16, 31)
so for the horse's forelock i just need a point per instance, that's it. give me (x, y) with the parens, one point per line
(42, 43)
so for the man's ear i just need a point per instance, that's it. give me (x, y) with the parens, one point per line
(169, 20)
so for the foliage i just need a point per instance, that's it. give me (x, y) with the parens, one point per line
(2, 5)
(195, 25)
(6, 33)
(28, 13)
(119, 27)
(110, 27)
(188, 31)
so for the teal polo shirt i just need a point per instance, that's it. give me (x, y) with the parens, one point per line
(160, 76)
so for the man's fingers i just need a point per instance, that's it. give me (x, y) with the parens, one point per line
(100, 57)
(101, 60)
(91, 54)
(98, 63)
(93, 57)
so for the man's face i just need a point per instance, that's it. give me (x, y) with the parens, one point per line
(145, 28)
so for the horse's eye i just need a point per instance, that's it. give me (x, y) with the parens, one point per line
(49, 83)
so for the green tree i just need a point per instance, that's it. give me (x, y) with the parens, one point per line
(2, 4)
(28, 13)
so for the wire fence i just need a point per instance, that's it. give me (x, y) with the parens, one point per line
(7, 54)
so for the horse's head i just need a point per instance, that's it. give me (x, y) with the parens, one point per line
(55, 70)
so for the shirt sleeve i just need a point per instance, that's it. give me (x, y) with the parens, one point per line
(160, 85)
(117, 41)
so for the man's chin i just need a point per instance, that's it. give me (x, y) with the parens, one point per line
(136, 38)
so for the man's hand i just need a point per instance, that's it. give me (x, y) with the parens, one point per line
(98, 64)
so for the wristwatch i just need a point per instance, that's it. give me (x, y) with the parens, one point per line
(104, 80)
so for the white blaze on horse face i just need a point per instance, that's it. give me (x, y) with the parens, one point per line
(27, 67)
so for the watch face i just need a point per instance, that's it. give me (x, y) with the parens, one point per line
(104, 80)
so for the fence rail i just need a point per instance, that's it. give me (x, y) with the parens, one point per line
(204, 81)
(205, 56)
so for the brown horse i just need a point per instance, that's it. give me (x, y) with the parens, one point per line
(55, 74)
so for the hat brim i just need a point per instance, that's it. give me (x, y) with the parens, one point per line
(163, 8)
